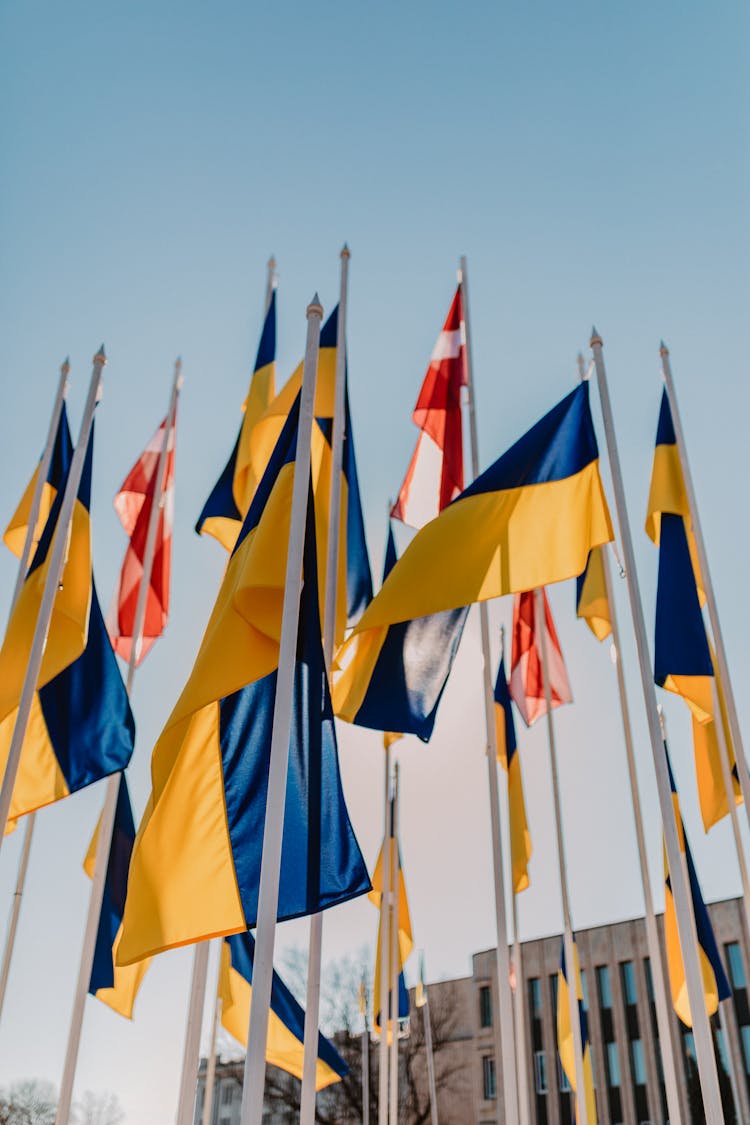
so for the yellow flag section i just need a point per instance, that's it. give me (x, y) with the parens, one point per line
(592, 603)
(230, 498)
(509, 758)
(115, 986)
(565, 1035)
(527, 521)
(15, 533)
(405, 938)
(715, 983)
(286, 1019)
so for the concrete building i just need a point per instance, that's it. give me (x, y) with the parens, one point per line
(618, 998)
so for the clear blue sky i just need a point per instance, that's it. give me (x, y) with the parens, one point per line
(592, 162)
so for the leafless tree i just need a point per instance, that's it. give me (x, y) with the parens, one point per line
(34, 1102)
(100, 1108)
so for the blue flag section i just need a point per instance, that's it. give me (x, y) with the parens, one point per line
(286, 1027)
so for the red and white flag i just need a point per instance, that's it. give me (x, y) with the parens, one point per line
(134, 503)
(436, 473)
(526, 684)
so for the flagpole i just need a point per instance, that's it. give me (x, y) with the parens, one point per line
(365, 1066)
(191, 1050)
(540, 629)
(271, 280)
(430, 1055)
(23, 566)
(54, 574)
(268, 897)
(731, 804)
(725, 1007)
(504, 1037)
(524, 1104)
(315, 951)
(713, 613)
(685, 921)
(385, 934)
(661, 995)
(395, 950)
(208, 1100)
(107, 822)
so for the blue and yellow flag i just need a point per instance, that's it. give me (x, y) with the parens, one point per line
(230, 498)
(286, 1019)
(195, 869)
(405, 936)
(81, 727)
(715, 983)
(508, 756)
(114, 986)
(683, 661)
(527, 521)
(15, 533)
(397, 683)
(354, 580)
(565, 1047)
(592, 603)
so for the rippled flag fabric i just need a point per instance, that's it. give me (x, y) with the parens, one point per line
(565, 1046)
(134, 503)
(510, 759)
(286, 1019)
(526, 680)
(592, 603)
(405, 940)
(195, 869)
(80, 728)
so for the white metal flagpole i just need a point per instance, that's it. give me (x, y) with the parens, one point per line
(661, 995)
(365, 1071)
(685, 921)
(504, 1037)
(23, 566)
(713, 613)
(731, 804)
(570, 963)
(395, 878)
(385, 935)
(271, 280)
(107, 822)
(191, 1051)
(52, 583)
(208, 1097)
(312, 1004)
(519, 1007)
(268, 897)
(429, 1053)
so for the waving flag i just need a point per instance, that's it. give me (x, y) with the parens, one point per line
(507, 753)
(230, 498)
(15, 533)
(115, 987)
(592, 603)
(565, 1035)
(80, 728)
(134, 504)
(715, 983)
(196, 865)
(526, 681)
(405, 941)
(286, 1023)
(436, 472)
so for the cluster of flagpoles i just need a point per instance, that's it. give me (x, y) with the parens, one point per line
(509, 1028)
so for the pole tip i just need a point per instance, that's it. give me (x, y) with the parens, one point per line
(272, 263)
(663, 349)
(101, 357)
(65, 366)
(595, 338)
(345, 251)
(315, 308)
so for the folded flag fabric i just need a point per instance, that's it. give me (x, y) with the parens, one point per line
(592, 603)
(226, 507)
(396, 683)
(436, 471)
(526, 679)
(14, 536)
(134, 504)
(508, 756)
(405, 942)
(114, 986)
(715, 983)
(565, 1046)
(80, 727)
(196, 864)
(420, 992)
(286, 1019)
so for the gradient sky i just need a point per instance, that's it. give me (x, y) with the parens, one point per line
(591, 160)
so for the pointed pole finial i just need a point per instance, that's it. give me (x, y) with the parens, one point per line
(65, 366)
(663, 349)
(315, 308)
(345, 251)
(595, 338)
(272, 263)
(662, 722)
(101, 357)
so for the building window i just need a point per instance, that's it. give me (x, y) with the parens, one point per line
(488, 1077)
(649, 979)
(628, 982)
(736, 968)
(562, 1079)
(584, 990)
(227, 1093)
(689, 1043)
(535, 996)
(745, 1033)
(613, 1066)
(605, 991)
(638, 1061)
(485, 1006)
(540, 1072)
(722, 1045)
